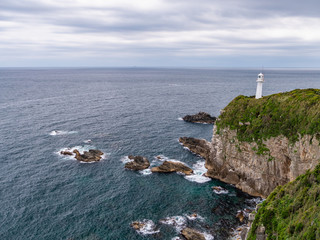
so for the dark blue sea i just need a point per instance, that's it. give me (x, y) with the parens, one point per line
(44, 195)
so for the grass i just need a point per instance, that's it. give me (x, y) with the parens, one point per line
(291, 114)
(292, 211)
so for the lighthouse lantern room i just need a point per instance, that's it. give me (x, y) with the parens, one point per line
(260, 81)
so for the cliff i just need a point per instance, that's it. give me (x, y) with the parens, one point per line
(259, 144)
(291, 211)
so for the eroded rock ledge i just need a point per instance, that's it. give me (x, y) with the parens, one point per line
(137, 163)
(200, 117)
(170, 166)
(200, 147)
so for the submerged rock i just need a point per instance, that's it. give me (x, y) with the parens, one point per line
(137, 163)
(200, 117)
(92, 155)
(170, 166)
(191, 234)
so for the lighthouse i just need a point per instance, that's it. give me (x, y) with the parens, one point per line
(260, 81)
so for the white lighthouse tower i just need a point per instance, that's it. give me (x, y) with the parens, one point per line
(260, 81)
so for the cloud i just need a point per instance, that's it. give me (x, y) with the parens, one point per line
(159, 29)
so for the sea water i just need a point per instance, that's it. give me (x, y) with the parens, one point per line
(129, 111)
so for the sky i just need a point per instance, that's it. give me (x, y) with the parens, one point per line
(159, 33)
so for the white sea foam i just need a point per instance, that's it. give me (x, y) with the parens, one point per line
(207, 236)
(126, 159)
(255, 201)
(87, 141)
(148, 228)
(161, 158)
(180, 119)
(145, 171)
(60, 132)
(220, 190)
(193, 217)
(178, 222)
(198, 173)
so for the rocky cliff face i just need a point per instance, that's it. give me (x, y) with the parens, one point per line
(238, 163)
(258, 144)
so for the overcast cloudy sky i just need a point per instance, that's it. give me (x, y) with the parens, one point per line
(173, 33)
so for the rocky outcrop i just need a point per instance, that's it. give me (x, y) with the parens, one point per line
(92, 155)
(137, 225)
(66, 153)
(170, 166)
(191, 234)
(137, 163)
(200, 117)
(200, 147)
(238, 163)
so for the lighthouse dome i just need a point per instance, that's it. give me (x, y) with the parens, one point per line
(260, 77)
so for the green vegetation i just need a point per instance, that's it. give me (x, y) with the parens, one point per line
(292, 211)
(289, 114)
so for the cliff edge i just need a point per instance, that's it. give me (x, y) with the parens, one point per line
(259, 144)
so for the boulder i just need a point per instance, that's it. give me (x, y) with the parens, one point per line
(191, 234)
(240, 215)
(170, 166)
(137, 225)
(66, 153)
(200, 117)
(137, 163)
(88, 156)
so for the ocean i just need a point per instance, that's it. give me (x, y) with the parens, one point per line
(122, 111)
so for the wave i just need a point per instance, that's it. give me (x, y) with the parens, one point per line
(60, 132)
(148, 227)
(219, 190)
(145, 171)
(207, 236)
(126, 159)
(198, 173)
(180, 119)
(195, 216)
(178, 222)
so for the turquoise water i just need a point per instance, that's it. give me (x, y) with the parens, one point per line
(122, 111)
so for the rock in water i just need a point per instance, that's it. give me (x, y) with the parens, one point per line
(137, 225)
(197, 146)
(200, 117)
(91, 156)
(191, 234)
(138, 163)
(170, 166)
(66, 153)
(240, 215)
